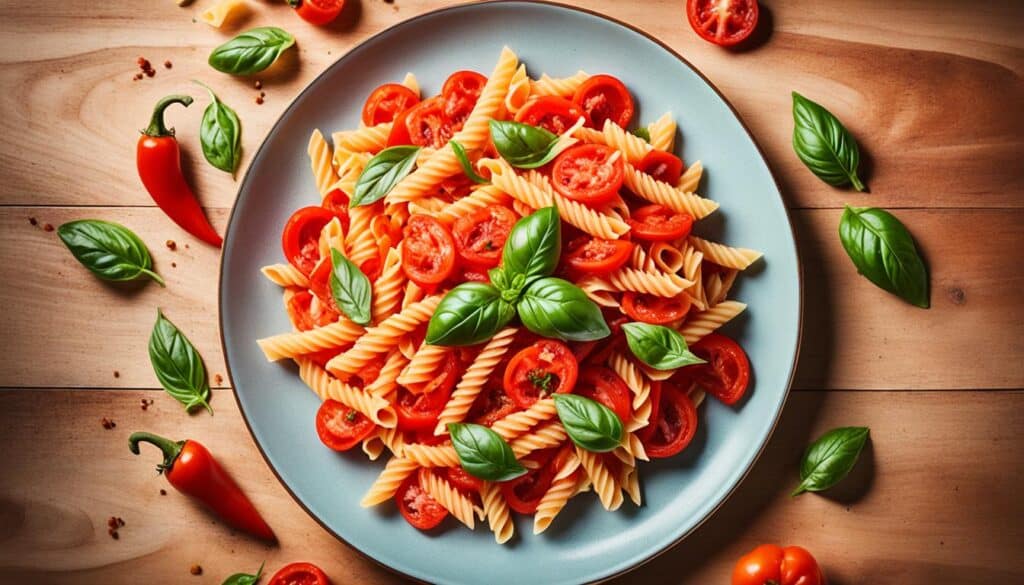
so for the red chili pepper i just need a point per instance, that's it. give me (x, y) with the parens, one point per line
(159, 163)
(193, 471)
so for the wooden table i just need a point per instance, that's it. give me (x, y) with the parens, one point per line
(933, 92)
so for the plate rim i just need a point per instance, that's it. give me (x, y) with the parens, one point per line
(757, 146)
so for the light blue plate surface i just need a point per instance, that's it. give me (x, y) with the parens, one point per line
(585, 543)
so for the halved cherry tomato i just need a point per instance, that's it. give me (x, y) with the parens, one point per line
(336, 202)
(605, 386)
(399, 135)
(419, 411)
(301, 237)
(596, 256)
(461, 480)
(320, 284)
(603, 97)
(418, 507)
(304, 316)
(428, 250)
(726, 375)
(460, 92)
(524, 493)
(654, 309)
(371, 267)
(587, 173)
(492, 405)
(662, 166)
(773, 564)
(675, 425)
(657, 223)
(552, 113)
(386, 102)
(445, 379)
(480, 236)
(318, 12)
(340, 427)
(428, 125)
(722, 22)
(369, 373)
(546, 367)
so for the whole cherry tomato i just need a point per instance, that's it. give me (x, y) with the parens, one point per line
(771, 564)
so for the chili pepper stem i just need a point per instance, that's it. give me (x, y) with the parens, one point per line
(156, 123)
(171, 449)
(155, 277)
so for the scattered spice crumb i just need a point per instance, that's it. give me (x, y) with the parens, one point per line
(168, 64)
(957, 295)
(117, 374)
(263, 94)
(389, 1)
(258, 84)
(47, 227)
(146, 402)
(196, 570)
(174, 264)
(186, 246)
(218, 379)
(107, 423)
(259, 100)
(172, 245)
(146, 67)
(163, 492)
(33, 221)
(113, 524)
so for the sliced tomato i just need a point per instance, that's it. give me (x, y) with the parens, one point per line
(603, 97)
(428, 250)
(418, 507)
(726, 375)
(492, 405)
(318, 12)
(657, 223)
(596, 256)
(675, 425)
(399, 135)
(662, 166)
(462, 480)
(300, 574)
(418, 411)
(460, 93)
(386, 102)
(524, 493)
(446, 378)
(546, 367)
(301, 237)
(588, 173)
(605, 386)
(723, 22)
(654, 309)
(480, 236)
(304, 315)
(552, 113)
(320, 285)
(428, 125)
(340, 427)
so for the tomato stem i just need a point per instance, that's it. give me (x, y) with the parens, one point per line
(171, 449)
(156, 126)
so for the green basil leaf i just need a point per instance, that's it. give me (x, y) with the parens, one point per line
(220, 134)
(644, 133)
(824, 145)
(244, 578)
(556, 308)
(252, 51)
(883, 251)
(534, 244)
(470, 313)
(660, 347)
(499, 278)
(467, 167)
(483, 453)
(830, 458)
(590, 424)
(350, 288)
(382, 173)
(522, 145)
(178, 365)
(109, 250)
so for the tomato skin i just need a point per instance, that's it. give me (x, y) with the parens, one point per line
(302, 315)
(399, 135)
(726, 375)
(318, 12)
(428, 125)
(462, 480)
(662, 166)
(725, 30)
(428, 251)
(386, 102)
(605, 386)
(585, 173)
(603, 97)
(300, 239)
(340, 427)
(320, 285)
(596, 256)
(480, 236)
(552, 113)
(300, 574)
(524, 493)
(418, 411)
(547, 360)
(460, 93)
(675, 425)
(656, 223)
(492, 405)
(654, 309)
(770, 563)
(417, 506)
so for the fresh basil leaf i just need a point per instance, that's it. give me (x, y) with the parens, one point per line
(252, 51)
(824, 144)
(499, 278)
(556, 308)
(350, 288)
(883, 251)
(109, 250)
(470, 313)
(220, 134)
(483, 453)
(590, 424)
(178, 365)
(244, 578)
(534, 244)
(644, 133)
(830, 458)
(660, 347)
(382, 173)
(522, 145)
(467, 167)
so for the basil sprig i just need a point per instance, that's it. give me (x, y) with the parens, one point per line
(883, 251)
(467, 167)
(556, 308)
(244, 578)
(483, 453)
(643, 132)
(109, 250)
(350, 288)
(824, 144)
(251, 51)
(658, 346)
(470, 313)
(590, 424)
(534, 245)
(178, 365)
(830, 458)
(220, 134)
(522, 145)
(382, 173)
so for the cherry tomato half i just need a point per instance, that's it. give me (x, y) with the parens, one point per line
(336, 201)
(726, 375)
(318, 12)
(605, 386)
(300, 574)
(386, 102)
(657, 223)
(480, 236)
(428, 251)
(320, 285)
(305, 316)
(588, 173)
(460, 92)
(399, 135)
(662, 166)
(524, 493)
(492, 405)
(596, 256)
(419, 411)
(428, 125)
(418, 507)
(675, 425)
(340, 427)
(552, 113)
(301, 237)
(462, 480)
(603, 97)
(770, 563)
(546, 367)
(722, 22)
(654, 309)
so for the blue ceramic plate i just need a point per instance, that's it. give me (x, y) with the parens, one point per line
(585, 543)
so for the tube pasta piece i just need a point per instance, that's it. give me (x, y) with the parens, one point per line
(667, 258)
(386, 486)
(367, 139)
(373, 447)
(606, 486)
(486, 196)
(320, 157)
(728, 256)
(560, 86)
(661, 193)
(290, 345)
(223, 11)
(562, 488)
(473, 381)
(424, 365)
(285, 275)
(496, 512)
(698, 326)
(451, 499)
(663, 133)
(383, 337)
(551, 434)
(690, 178)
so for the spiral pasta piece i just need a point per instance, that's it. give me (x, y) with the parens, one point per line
(396, 470)
(699, 325)
(412, 83)
(728, 256)
(661, 284)
(663, 132)
(332, 235)
(325, 386)
(387, 289)
(360, 243)
(518, 91)
(451, 499)
(633, 148)
(290, 345)
(690, 178)
(630, 480)
(382, 337)
(472, 382)
(413, 293)
(285, 275)
(348, 165)
(373, 447)
(427, 205)
(431, 455)
(606, 486)
(424, 365)
(668, 258)
(599, 290)
(661, 193)
(366, 139)
(387, 380)
(560, 86)
(486, 196)
(562, 488)
(496, 512)
(320, 157)
(551, 434)
(632, 376)
(520, 422)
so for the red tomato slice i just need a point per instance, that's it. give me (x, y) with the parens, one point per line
(587, 173)
(304, 316)
(399, 135)
(462, 480)
(656, 223)
(723, 22)
(320, 285)
(675, 425)
(428, 251)
(552, 113)
(524, 493)
(460, 92)
(654, 309)
(340, 427)
(318, 12)
(544, 368)
(603, 97)
(300, 574)
(726, 375)
(386, 102)
(480, 236)
(419, 411)
(662, 166)
(596, 256)
(417, 506)
(428, 125)
(301, 237)
(337, 203)
(605, 386)
(492, 405)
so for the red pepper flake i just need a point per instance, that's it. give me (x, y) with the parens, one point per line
(150, 72)
(259, 100)
(258, 84)
(141, 62)
(163, 492)
(33, 221)
(174, 264)
(117, 374)
(107, 423)
(195, 570)
(172, 245)
(218, 379)
(263, 94)
(47, 227)
(145, 402)
(186, 246)
(168, 64)
(113, 534)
